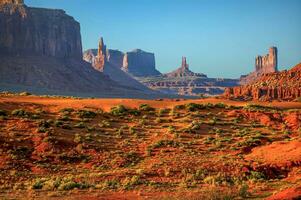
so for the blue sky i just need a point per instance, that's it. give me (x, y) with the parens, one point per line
(219, 37)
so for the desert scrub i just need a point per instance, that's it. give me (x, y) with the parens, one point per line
(193, 127)
(130, 182)
(146, 107)
(80, 125)
(131, 159)
(25, 94)
(20, 113)
(162, 143)
(3, 113)
(67, 111)
(220, 105)
(43, 126)
(86, 114)
(194, 107)
(58, 123)
(163, 111)
(119, 110)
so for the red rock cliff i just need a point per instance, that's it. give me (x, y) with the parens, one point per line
(284, 85)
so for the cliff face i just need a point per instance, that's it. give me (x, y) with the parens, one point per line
(284, 85)
(41, 52)
(137, 63)
(35, 31)
(110, 63)
(140, 63)
(263, 65)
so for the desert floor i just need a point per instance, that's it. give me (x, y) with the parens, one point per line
(67, 148)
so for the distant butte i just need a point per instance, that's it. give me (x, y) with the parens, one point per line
(263, 65)
(184, 71)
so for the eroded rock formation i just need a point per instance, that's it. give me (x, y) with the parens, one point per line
(284, 85)
(263, 65)
(110, 63)
(185, 82)
(34, 31)
(184, 71)
(41, 52)
(140, 63)
(11, 1)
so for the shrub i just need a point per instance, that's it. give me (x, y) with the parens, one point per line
(67, 110)
(86, 114)
(24, 94)
(66, 126)
(129, 183)
(58, 123)
(78, 138)
(80, 125)
(220, 105)
(193, 106)
(3, 113)
(159, 120)
(37, 185)
(146, 107)
(20, 113)
(118, 110)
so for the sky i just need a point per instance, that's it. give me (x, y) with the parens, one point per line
(219, 37)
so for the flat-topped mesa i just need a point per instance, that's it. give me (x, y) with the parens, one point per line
(27, 31)
(140, 63)
(184, 71)
(12, 2)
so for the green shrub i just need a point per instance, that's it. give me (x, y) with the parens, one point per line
(86, 114)
(3, 113)
(193, 106)
(119, 110)
(20, 113)
(58, 123)
(146, 107)
(80, 125)
(37, 185)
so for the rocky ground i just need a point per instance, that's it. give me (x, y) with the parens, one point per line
(137, 149)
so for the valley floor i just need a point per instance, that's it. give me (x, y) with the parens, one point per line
(55, 147)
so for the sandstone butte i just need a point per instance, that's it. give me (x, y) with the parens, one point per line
(284, 85)
(263, 65)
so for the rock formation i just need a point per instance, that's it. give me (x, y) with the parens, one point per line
(110, 62)
(263, 64)
(137, 63)
(182, 81)
(41, 52)
(115, 57)
(34, 31)
(140, 63)
(267, 63)
(11, 1)
(183, 71)
(284, 85)
(101, 57)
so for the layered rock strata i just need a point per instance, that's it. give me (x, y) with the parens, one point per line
(284, 85)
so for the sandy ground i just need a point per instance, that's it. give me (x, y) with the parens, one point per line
(107, 104)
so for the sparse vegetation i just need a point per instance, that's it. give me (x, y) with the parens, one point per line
(193, 147)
